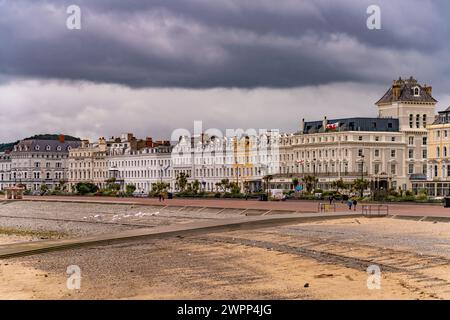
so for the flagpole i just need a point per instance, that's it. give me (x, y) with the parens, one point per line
(339, 150)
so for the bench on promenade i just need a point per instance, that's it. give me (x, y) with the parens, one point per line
(377, 210)
(326, 207)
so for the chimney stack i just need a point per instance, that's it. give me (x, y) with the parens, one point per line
(84, 143)
(302, 125)
(324, 123)
(396, 89)
(149, 142)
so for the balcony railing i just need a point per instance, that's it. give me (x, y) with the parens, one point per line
(323, 174)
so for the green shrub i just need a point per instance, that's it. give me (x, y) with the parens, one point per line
(85, 188)
(392, 198)
(407, 198)
(307, 197)
(422, 197)
(129, 189)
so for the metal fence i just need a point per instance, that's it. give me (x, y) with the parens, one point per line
(326, 207)
(379, 210)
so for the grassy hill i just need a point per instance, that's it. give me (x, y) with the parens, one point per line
(7, 146)
(52, 137)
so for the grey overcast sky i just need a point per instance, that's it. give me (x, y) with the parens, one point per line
(151, 66)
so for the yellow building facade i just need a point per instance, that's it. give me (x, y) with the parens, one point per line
(439, 147)
(88, 163)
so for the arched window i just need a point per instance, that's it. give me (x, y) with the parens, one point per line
(424, 120)
(418, 121)
(416, 91)
(445, 151)
(410, 120)
(438, 152)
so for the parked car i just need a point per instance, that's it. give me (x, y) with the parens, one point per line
(141, 194)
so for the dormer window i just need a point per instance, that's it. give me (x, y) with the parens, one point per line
(58, 148)
(47, 148)
(36, 148)
(416, 91)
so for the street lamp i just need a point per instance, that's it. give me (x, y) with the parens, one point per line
(265, 179)
(314, 173)
(362, 175)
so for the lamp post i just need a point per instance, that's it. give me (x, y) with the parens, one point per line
(265, 179)
(362, 175)
(314, 173)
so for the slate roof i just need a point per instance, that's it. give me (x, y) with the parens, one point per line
(442, 117)
(406, 93)
(45, 146)
(355, 124)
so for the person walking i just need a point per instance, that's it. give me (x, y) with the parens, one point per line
(349, 204)
(354, 204)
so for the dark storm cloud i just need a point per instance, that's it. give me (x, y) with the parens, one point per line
(224, 43)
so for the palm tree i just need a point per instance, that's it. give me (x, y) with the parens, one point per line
(310, 182)
(181, 181)
(338, 184)
(361, 184)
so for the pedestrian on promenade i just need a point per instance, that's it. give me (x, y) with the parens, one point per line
(349, 203)
(354, 204)
(331, 199)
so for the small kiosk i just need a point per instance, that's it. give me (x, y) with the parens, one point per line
(14, 193)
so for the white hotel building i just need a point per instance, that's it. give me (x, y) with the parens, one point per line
(245, 160)
(389, 150)
(142, 167)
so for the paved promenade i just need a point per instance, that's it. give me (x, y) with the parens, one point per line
(28, 248)
(403, 209)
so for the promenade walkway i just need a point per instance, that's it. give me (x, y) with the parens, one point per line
(246, 222)
(406, 209)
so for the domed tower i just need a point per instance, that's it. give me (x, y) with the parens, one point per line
(410, 102)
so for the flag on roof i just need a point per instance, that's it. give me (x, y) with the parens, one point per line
(332, 126)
